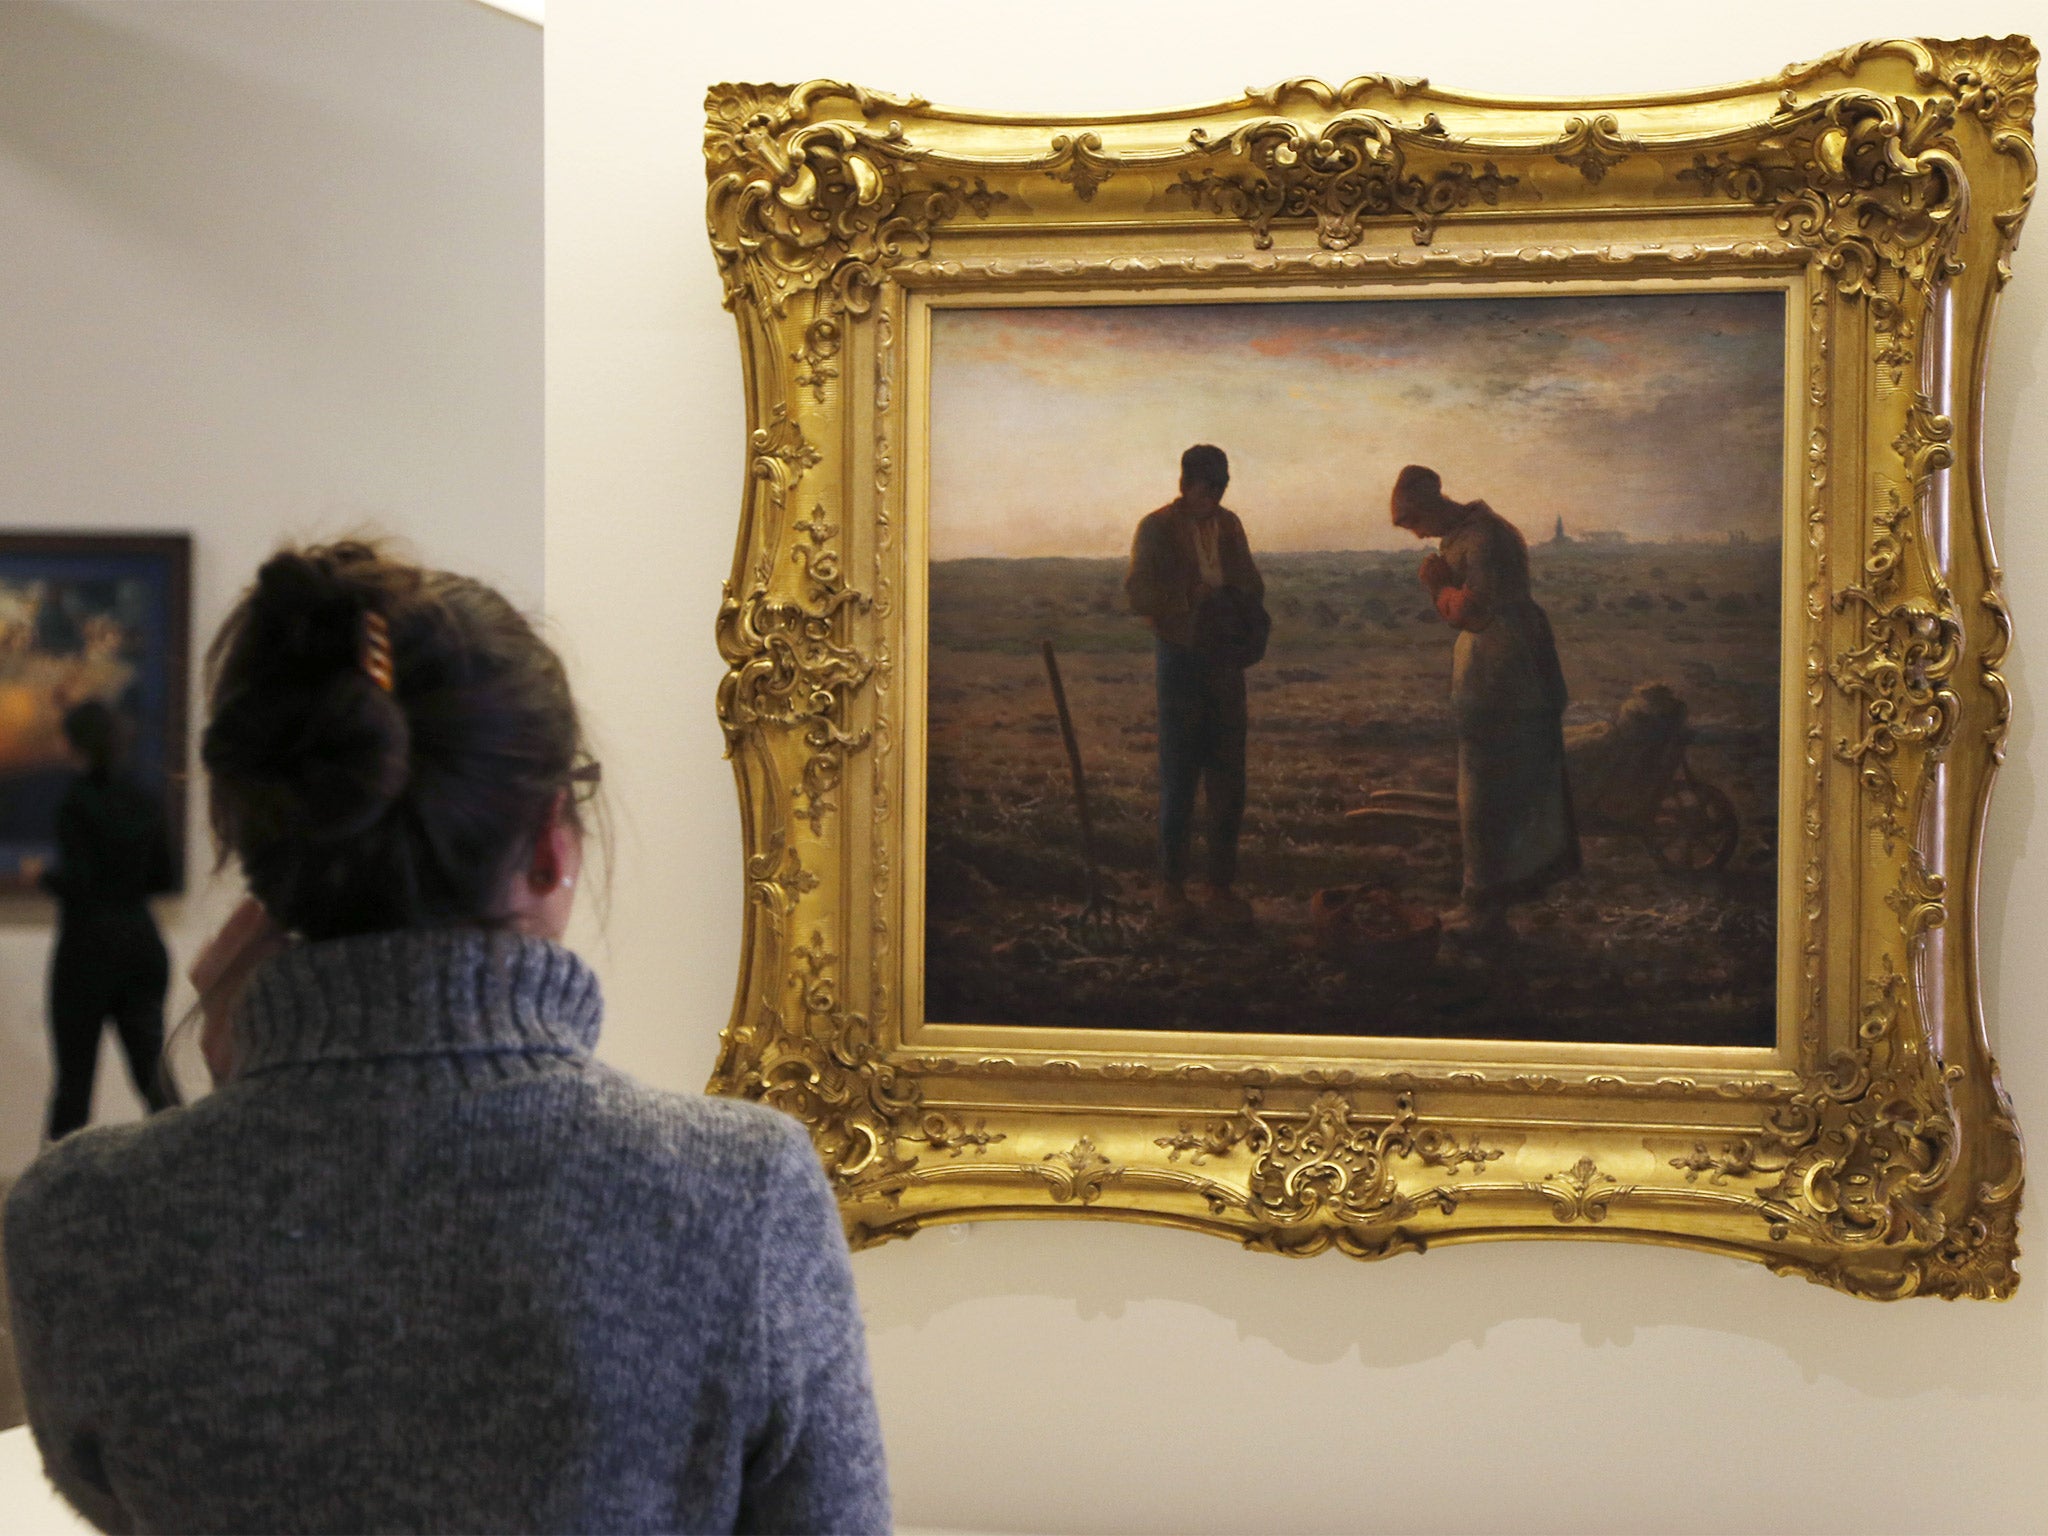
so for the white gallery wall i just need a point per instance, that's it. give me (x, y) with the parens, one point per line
(1056, 1376)
(272, 268)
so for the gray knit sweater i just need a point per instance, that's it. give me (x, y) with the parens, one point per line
(424, 1265)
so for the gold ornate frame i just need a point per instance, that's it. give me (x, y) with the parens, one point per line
(1883, 187)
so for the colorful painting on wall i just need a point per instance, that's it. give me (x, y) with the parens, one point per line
(84, 617)
(1402, 667)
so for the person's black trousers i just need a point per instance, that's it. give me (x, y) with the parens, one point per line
(1201, 744)
(108, 966)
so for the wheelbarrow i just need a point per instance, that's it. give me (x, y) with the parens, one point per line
(1629, 778)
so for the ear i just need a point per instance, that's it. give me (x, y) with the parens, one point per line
(557, 850)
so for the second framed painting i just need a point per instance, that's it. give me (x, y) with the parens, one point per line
(1365, 667)
(90, 619)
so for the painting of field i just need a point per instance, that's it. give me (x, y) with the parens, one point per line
(1666, 589)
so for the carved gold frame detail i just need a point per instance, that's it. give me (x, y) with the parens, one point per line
(1881, 187)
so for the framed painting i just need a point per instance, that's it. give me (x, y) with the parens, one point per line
(1367, 667)
(89, 617)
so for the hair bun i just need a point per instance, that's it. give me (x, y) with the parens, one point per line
(352, 808)
(319, 747)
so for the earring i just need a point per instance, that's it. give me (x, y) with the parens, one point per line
(566, 883)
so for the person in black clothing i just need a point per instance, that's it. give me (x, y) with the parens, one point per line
(113, 854)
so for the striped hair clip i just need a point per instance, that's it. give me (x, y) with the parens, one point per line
(376, 658)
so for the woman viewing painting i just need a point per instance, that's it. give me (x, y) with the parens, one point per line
(1507, 698)
(421, 1261)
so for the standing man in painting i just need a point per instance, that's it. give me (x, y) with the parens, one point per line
(1193, 581)
(1508, 696)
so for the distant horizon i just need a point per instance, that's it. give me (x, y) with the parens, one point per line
(1536, 547)
(1659, 416)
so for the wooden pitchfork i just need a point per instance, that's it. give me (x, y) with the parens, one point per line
(1099, 913)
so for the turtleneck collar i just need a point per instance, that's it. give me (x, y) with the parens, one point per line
(417, 993)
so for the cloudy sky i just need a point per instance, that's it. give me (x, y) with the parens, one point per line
(1054, 430)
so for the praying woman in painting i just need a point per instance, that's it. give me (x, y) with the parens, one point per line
(1507, 696)
(113, 854)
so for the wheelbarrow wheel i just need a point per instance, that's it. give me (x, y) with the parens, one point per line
(1694, 829)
